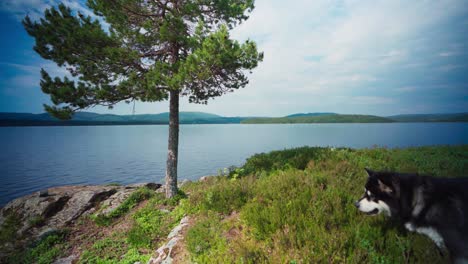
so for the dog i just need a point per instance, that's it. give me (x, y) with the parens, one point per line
(435, 207)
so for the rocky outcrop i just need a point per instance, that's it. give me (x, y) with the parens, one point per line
(165, 254)
(57, 207)
(68, 260)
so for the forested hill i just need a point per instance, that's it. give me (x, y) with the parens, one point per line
(88, 118)
(339, 118)
(330, 118)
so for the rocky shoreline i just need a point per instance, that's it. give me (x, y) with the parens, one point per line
(38, 214)
(56, 207)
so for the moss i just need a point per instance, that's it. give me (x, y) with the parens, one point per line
(36, 221)
(9, 228)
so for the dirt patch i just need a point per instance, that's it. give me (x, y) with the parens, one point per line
(235, 231)
(84, 233)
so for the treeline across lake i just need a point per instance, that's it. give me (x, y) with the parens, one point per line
(88, 118)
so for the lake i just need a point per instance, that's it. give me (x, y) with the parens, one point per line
(35, 158)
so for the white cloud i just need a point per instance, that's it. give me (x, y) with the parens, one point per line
(371, 100)
(447, 54)
(318, 51)
(357, 43)
(406, 89)
(21, 8)
(76, 6)
(35, 8)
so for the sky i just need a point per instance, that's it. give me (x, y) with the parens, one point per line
(350, 57)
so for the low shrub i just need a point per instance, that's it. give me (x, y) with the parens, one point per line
(44, 251)
(296, 206)
(277, 160)
(150, 226)
(206, 242)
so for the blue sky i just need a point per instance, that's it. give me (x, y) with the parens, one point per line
(364, 57)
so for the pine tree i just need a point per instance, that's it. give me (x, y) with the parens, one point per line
(145, 50)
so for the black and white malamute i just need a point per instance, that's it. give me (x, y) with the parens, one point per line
(436, 207)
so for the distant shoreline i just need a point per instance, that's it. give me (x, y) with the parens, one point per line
(190, 118)
(79, 123)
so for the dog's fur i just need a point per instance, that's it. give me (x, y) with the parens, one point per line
(436, 207)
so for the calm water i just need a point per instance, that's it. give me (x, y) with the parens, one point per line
(34, 158)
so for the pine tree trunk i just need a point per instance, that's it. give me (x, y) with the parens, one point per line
(173, 144)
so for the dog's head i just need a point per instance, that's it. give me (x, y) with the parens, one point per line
(381, 194)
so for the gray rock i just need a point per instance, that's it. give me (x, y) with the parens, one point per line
(184, 182)
(57, 207)
(162, 189)
(75, 206)
(44, 193)
(164, 252)
(203, 179)
(67, 260)
(115, 200)
(46, 232)
(60, 207)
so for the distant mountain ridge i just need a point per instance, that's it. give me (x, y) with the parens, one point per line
(89, 118)
(310, 114)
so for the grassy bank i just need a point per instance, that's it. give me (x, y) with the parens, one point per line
(291, 206)
(296, 206)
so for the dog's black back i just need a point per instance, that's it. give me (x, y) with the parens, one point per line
(437, 207)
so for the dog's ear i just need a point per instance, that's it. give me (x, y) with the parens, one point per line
(383, 187)
(369, 172)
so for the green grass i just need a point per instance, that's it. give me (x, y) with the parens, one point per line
(113, 249)
(134, 199)
(151, 225)
(149, 228)
(296, 206)
(44, 251)
(206, 241)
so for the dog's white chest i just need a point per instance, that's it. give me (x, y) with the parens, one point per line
(428, 231)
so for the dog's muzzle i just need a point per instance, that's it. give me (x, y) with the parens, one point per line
(373, 212)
